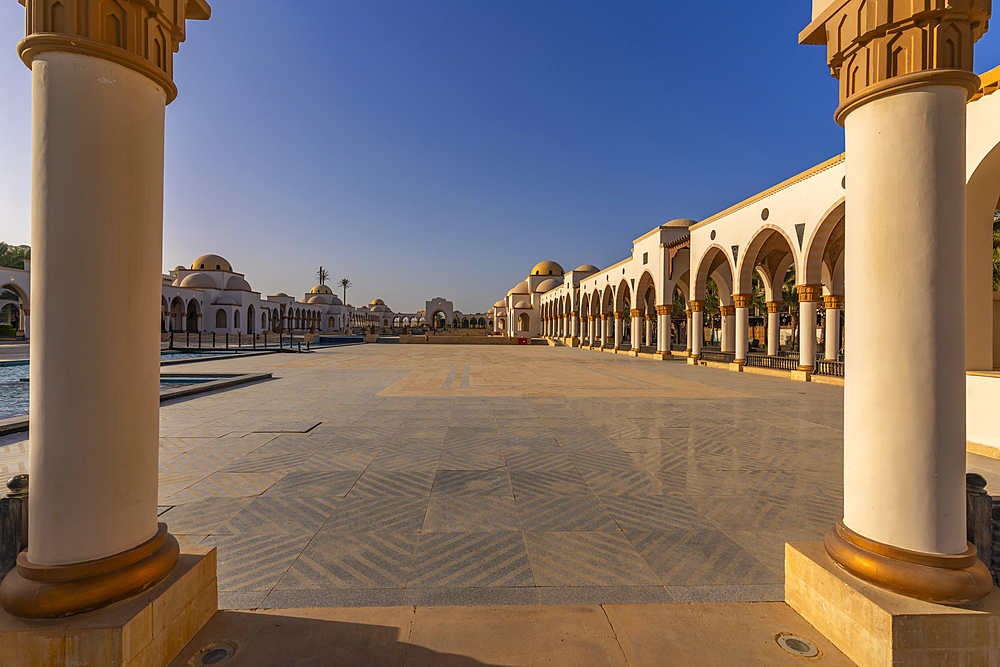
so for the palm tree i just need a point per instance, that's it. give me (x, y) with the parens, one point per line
(790, 296)
(323, 275)
(345, 283)
(13, 257)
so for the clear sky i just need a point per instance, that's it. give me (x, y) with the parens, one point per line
(442, 148)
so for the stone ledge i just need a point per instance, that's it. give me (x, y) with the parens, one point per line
(145, 631)
(875, 627)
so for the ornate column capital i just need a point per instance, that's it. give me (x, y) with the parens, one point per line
(773, 306)
(604, 316)
(573, 313)
(619, 314)
(726, 311)
(688, 313)
(809, 292)
(637, 312)
(742, 300)
(875, 47)
(696, 306)
(142, 35)
(664, 310)
(650, 317)
(833, 301)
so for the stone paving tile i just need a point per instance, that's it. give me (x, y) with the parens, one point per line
(378, 484)
(275, 515)
(254, 562)
(352, 560)
(548, 482)
(259, 461)
(393, 513)
(603, 595)
(470, 560)
(653, 513)
(325, 460)
(315, 484)
(699, 558)
(754, 593)
(480, 482)
(406, 461)
(204, 516)
(467, 597)
(606, 558)
(538, 461)
(768, 547)
(463, 512)
(364, 597)
(552, 512)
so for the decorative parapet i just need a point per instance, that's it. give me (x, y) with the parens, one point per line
(878, 46)
(142, 35)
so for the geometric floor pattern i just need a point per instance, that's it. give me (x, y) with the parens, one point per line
(495, 475)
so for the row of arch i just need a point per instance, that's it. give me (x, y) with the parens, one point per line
(181, 315)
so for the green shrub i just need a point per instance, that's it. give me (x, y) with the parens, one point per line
(7, 330)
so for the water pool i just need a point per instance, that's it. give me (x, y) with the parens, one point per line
(14, 388)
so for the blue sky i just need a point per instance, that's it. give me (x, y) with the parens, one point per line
(442, 148)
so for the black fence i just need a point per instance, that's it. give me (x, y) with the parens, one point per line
(781, 363)
(724, 357)
(830, 368)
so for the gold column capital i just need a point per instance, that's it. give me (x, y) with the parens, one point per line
(727, 310)
(809, 292)
(688, 313)
(833, 301)
(637, 312)
(142, 35)
(573, 313)
(696, 306)
(875, 47)
(604, 316)
(742, 300)
(773, 306)
(664, 309)
(619, 314)
(650, 317)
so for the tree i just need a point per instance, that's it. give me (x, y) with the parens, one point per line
(790, 296)
(345, 283)
(13, 257)
(323, 275)
(996, 251)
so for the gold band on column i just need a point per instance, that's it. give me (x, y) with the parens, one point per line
(944, 579)
(54, 591)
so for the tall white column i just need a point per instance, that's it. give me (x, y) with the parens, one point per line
(808, 295)
(697, 333)
(649, 330)
(773, 327)
(619, 330)
(728, 328)
(575, 333)
(96, 200)
(663, 328)
(591, 330)
(636, 337)
(831, 336)
(604, 330)
(742, 326)
(687, 331)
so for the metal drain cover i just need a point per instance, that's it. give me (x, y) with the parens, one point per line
(798, 646)
(213, 654)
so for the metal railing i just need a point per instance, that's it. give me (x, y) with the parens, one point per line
(778, 363)
(724, 357)
(831, 368)
(678, 347)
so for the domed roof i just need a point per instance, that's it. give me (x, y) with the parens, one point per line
(499, 304)
(212, 263)
(547, 285)
(279, 294)
(180, 268)
(225, 301)
(377, 302)
(321, 289)
(319, 298)
(236, 282)
(197, 280)
(522, 304)
(379, 308)
(547, 269)
(586, 268)
(520, 288)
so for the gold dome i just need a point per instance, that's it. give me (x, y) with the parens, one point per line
(321, 289)
(377, 302)
(547, 269)
(211, 263)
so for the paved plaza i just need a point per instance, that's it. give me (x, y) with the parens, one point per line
(495, 475)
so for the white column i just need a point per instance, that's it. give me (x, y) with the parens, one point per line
(831, 336)
(591, 327)
(619, 327)
(575, 321)
(688, 328)
(728, 328)
(697, 332)
(649, 330)
(604, 330)
(807, 326)
(636, 337)
(773, 327)
(904, 401)
(663, 328)
(742, 326)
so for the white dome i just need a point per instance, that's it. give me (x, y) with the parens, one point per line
(199, 280)
(523, 305)
(547, 285)
(520, 288)
(238, 283)
(225, 301)
(321, 289)
(319, 298)
(212, 263)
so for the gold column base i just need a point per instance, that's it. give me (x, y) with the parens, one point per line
(40, 591)
(806, 368)
(958, 579)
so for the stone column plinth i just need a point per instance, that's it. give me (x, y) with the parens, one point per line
(101, 79)
(905, 77)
